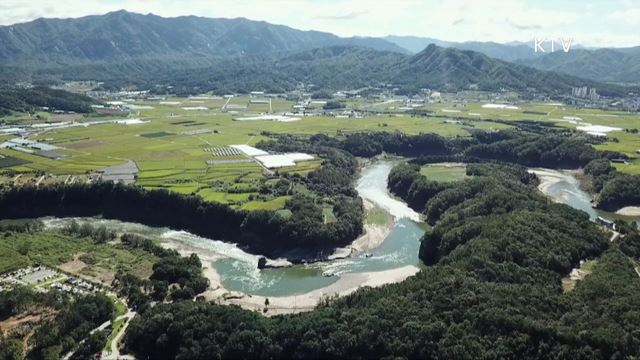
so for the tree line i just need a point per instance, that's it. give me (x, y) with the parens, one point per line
(260, 231)
(32, 99)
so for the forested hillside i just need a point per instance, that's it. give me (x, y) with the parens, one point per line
(193, 55)
(123, 35)
(330, 68)
(33, 99)
(71, 321)
(492, 291)
(611, 65)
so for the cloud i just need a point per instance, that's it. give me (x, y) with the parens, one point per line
(629, 16)
(349, 16)
(525, 27)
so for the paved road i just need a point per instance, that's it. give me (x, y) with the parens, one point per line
(115, 352)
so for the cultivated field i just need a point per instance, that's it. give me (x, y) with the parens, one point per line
(446, 172)
(181, 144)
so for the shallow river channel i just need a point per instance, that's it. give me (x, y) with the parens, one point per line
(238, 270)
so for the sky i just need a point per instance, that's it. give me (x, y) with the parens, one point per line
(601, 23)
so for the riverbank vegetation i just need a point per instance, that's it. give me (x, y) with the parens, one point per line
(78, 255)
(262, 231)
(174, 277)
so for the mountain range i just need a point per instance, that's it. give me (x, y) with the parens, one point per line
(508, 52)
(615, 65)
(610, 65)
(122, 35)
(193, 54)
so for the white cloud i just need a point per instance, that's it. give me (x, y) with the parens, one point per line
(629, 16)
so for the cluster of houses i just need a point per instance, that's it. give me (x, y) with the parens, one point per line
(37, 275)
(75, 286)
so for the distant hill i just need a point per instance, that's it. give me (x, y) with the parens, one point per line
(32, 99)
(453, 69)
(609, 65)
(618, 65)
(123, 35)
(508, 52)
(349, 67)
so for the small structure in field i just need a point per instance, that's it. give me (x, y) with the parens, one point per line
(124, 173)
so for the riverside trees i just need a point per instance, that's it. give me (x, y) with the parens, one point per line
(492, 290)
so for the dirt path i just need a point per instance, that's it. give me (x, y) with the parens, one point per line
(14, 322)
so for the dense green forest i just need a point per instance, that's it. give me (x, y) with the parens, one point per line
(406, 182)
(71, 322)
(263, 232)
(33, 99)
(497, 255)
(615, 190)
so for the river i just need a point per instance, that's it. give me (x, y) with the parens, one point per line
(237, 270)
(400, 248)
(563, 187)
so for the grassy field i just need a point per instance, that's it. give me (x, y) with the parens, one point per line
(121, 308)
(82, 256)
(444, 172)
(172, 156)
(170, 152)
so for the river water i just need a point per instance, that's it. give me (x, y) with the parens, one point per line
(238, 270)
(563, 187)
(400, 248)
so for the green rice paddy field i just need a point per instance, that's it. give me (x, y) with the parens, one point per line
(170, 154)
(444, 172)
